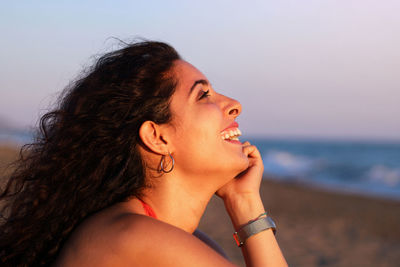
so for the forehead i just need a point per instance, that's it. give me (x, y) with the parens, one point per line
(186, 75)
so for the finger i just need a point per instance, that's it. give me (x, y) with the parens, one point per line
(247, 143)
(251, 151)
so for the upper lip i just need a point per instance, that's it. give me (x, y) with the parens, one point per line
(232, 125)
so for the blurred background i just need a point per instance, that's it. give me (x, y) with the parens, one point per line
(318, 82)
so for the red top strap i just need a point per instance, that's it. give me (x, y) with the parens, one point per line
(149, 211)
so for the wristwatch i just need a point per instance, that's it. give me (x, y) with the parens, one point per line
(253, 228)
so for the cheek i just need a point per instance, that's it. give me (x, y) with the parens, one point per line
(197, 138)
(205, 128)
(202, 124)
(199, 148)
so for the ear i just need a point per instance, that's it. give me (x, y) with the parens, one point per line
(151, 135)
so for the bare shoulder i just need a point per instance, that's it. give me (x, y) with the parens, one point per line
(133, 239)
(155, 243)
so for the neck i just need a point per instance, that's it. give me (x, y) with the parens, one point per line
(179, 202)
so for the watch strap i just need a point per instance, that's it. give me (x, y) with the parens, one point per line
(253, 228)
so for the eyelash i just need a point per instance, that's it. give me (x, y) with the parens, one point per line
(204, 94)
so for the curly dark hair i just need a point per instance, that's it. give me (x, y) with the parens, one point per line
(85, 155)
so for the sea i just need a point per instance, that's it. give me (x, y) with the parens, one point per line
(369, 168)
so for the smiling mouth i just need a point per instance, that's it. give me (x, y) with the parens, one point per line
(231, 134)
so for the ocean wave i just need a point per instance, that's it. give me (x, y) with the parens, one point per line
(364, 168)
(384, 175)
(283, 163)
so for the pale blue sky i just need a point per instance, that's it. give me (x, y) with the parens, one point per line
(326, 69)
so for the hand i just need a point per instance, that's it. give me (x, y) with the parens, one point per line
(247, 182)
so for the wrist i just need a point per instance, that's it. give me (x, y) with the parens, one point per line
(254, 227)
(242, 209)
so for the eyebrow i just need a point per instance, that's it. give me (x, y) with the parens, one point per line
(202, 81)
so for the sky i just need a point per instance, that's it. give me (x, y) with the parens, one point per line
(301, 69)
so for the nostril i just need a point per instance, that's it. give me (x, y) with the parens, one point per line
(232, 107)
(234, 111)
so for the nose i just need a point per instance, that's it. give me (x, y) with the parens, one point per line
(232, 107)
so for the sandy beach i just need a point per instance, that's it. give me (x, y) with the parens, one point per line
(318, 228)
(315, 227)
(8, 154)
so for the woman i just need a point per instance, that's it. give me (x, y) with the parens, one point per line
(125, 167)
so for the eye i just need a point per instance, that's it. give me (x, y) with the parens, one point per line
(204, 94)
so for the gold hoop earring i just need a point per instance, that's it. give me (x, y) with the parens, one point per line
(162, 163)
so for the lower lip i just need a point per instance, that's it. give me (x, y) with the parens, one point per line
(233, 141)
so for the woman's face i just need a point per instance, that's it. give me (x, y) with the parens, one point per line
(203, 133)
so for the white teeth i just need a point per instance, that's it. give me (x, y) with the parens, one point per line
(231, 134)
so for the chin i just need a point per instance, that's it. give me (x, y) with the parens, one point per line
(240, 166)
